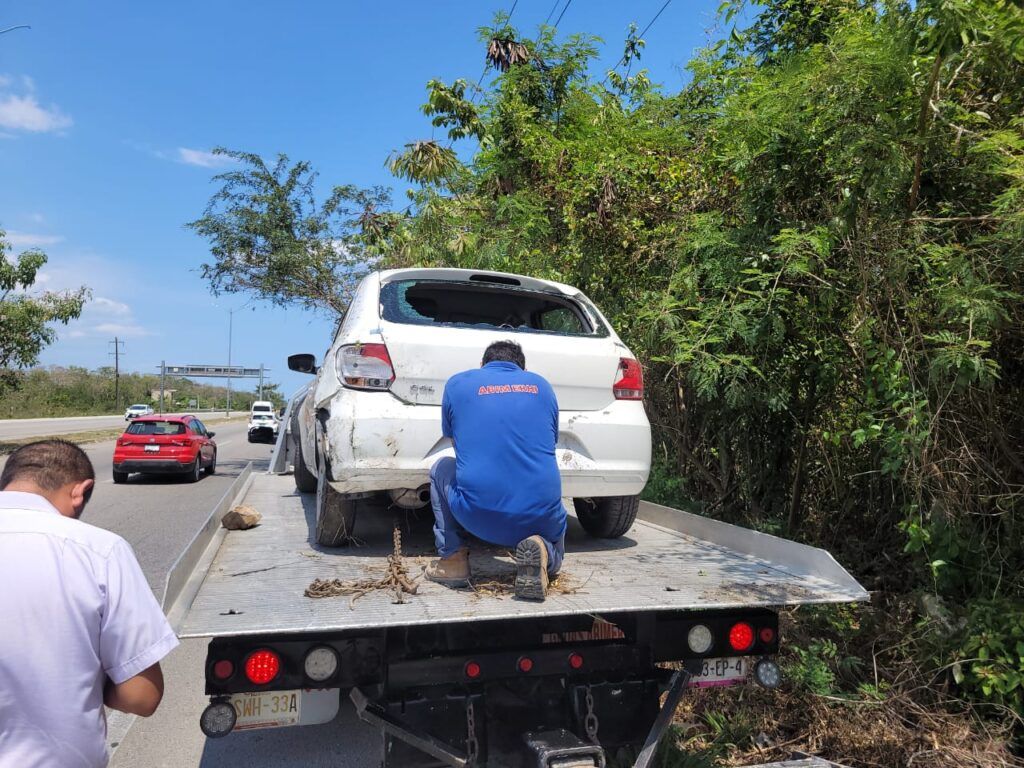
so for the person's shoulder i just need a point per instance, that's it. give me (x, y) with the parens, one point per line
(97, 540)
(462, 377)
(543, 384)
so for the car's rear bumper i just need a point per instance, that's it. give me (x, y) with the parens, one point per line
(377, 442)
(153, 466)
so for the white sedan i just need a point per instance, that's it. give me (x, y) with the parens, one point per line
(371, 421)
(137, 410)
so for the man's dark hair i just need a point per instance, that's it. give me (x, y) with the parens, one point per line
(50, 464)
(506, 352)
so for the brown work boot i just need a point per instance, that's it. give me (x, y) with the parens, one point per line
(531, 569)
(452, 571)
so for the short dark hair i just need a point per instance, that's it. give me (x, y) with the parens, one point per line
(50, 464)
(505, 351)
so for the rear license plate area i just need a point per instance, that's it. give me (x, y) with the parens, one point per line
(720, 671)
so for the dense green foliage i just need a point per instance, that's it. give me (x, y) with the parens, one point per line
(27, 317)
(816, 249)
(45, 392)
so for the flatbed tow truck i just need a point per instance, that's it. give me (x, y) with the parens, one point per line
(474, 677)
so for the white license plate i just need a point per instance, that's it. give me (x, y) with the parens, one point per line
(722, 671)
(151, 448)
(278, 709)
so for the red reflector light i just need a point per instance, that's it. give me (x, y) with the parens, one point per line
(262, 666)
(575, 661)
(630, 385)
(767, 634)
(525, 664)
(223, 669)
(472, 670)
(741, 636)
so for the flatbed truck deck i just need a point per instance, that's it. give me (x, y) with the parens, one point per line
(475, 677)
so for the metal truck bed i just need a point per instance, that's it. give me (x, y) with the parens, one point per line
(252, 582)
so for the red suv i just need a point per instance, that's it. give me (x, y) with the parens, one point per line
(165, 445)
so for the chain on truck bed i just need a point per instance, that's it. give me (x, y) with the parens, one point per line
(395, 579)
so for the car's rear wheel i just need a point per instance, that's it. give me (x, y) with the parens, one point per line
(335, 514)
(195, 471)
(120, 477)
(305, 481)
(607, 517)
(212, 469)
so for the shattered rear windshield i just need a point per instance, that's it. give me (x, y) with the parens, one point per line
(476, 305)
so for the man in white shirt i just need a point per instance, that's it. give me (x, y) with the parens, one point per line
(79, 626)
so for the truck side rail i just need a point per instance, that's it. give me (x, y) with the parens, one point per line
(787, 556)
(280, 459)
(185, 576)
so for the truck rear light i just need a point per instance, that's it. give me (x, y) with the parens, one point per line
(365, 366)
(223, 669)
(321, 663)
(262, 666)
(699, 638)
(767, 673)
(525, 664)
(218, 719)
(575, 661)
(630, 384)
(472, 670)
(767, 635)
(741, 636)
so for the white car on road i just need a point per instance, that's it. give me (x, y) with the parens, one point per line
(137, 410)
(371, 420)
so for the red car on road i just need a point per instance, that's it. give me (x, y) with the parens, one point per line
(163, 444)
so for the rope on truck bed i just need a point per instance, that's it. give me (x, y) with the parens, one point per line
(396, 579)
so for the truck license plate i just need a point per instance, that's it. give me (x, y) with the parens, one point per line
(723, 671)
(151, 448)
(277, 709)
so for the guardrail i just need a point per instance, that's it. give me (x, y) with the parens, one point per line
(280, 458)
(185, 576)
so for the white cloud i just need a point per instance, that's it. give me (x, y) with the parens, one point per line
(20, 110)
(110, 306)
(126, 330)
(30, 240)
(36, 218)
(202, 158)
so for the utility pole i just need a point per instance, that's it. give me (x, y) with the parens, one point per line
(163, 372)
(117, 371)
(261, 381)
(231, 317)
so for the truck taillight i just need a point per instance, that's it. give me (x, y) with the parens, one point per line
(741, 636)
(365, 366)
(630, 384)
(262, 666)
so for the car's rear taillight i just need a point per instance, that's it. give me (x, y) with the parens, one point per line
(365, 366)
(630, 384)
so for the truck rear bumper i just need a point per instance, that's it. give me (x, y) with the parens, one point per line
(377, 442)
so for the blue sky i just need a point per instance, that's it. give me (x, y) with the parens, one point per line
(108, 113)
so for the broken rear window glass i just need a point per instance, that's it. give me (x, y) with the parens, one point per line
(473, 305)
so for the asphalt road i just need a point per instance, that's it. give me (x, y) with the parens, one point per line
(16, 429)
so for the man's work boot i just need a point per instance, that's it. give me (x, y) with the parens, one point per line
(452, 571)
(531, 569)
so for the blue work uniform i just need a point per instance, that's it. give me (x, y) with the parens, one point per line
(503, 485)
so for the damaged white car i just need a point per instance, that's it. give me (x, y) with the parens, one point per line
(371, 420)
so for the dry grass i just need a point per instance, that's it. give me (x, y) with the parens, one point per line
(884, 708)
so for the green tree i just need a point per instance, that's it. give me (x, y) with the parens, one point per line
(27, 317)
(270, 238)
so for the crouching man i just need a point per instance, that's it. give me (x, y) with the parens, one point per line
(503, 485)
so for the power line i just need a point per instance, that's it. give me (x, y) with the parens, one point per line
(551, 12)
(640, 36)
(559, 19)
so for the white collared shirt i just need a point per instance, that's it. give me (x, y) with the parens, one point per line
(75, 609)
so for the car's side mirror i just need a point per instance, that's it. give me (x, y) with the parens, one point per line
(302, 363)
(211, 434)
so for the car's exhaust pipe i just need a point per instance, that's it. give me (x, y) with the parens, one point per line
(410, 498)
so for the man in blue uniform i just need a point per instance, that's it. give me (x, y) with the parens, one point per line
(503, 485)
